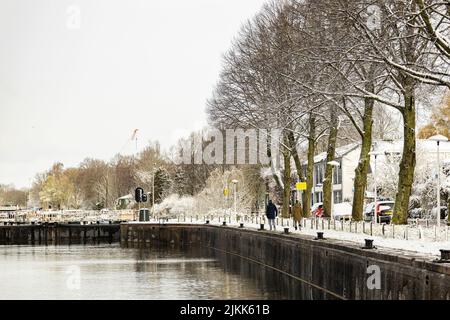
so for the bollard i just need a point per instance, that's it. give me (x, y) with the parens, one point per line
(369, 244)
(286, 230)
(241, 226)
(445, 255)
(261, 226)
(320, 236)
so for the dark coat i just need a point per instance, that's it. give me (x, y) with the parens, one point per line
(271, 211)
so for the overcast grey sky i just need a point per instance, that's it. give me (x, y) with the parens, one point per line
(74, 88)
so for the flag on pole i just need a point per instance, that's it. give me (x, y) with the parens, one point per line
(133, 137)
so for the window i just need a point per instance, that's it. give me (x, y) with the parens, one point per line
(337, 174)
(337, 196)
(319, 196)
(393, 157)
(320, 175)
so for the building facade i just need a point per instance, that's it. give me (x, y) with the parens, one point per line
(390, 155)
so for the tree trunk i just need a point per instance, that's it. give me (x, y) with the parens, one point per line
(408, 163)
(295, 155)
(310, 166)
(362, 169)
(448, 209)
(328, 181)
(287, 182)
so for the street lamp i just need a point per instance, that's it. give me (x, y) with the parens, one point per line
(438, 139)
(235, 195)
(375, 154)
(334, 164)
(153, 189)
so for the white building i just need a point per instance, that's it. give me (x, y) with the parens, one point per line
(348, 157)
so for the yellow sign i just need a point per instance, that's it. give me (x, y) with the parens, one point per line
(301, 186)
(226, 192)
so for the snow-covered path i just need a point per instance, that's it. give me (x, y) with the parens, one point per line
(414, 246)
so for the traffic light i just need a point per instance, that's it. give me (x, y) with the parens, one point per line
(144, 197)
(138, 194)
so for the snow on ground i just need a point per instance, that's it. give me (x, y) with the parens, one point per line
(417, 246)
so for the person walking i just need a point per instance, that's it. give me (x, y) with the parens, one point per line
(297, 215)
(271, 214)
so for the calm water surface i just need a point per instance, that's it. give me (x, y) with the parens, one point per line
(111, 272)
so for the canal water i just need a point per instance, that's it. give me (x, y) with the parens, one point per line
(111, 272)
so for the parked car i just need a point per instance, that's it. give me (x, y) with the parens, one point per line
(416, 213)
(384, 211)
(342, 211)
(444, 212)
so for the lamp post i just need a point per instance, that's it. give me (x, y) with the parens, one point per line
(235, 195)
(334, 165)
(153, 190)
(438, 139)
(375, 154)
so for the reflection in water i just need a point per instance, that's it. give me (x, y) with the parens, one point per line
(111, 272)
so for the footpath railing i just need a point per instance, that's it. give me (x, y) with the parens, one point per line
(416, 230)
(70, 216)
(400, 232)
(424, 230)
